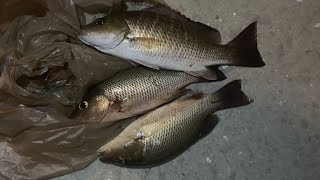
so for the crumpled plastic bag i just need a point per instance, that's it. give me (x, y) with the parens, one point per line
(45, 71)
(45, 146)
(57, 75)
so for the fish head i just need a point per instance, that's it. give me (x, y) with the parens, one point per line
(122, 151)
(92, 108)
(104, 33)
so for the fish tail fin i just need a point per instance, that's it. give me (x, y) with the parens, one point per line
(209, 74)
(230, 96)
(245, 51)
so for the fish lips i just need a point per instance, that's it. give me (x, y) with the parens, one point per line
(129, 154)
(85, 38)
(96, 40)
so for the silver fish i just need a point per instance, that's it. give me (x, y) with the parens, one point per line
(159, 40)
(170, 129)
(134, 91)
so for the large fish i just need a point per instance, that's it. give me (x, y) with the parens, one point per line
(167, 131)
(161, 39)
(134, 91)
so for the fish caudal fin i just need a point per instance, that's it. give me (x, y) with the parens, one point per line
(210, 73)
(245, 48)
(230, 96)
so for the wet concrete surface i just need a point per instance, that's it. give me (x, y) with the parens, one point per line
(276, 137)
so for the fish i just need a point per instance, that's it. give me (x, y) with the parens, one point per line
(132, 92)
(161, 38)
(166, 132)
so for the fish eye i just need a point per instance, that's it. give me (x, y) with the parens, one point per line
(100, 22)
(83, 105)
(120, 161)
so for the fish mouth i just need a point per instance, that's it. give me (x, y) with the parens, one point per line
(88, 39)
(81, 33)
(103, 150)
(77, 30)
(103, 155)
(83, 36)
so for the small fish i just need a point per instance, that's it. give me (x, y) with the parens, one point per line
(167, 131)
(134, 91)
(161, 38)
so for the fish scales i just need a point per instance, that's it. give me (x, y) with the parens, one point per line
(132, 92)
(181, 126)
(146, 84)
(167, 131)
(168, 38)
(161, 41)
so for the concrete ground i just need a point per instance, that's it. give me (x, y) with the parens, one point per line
(276, 137)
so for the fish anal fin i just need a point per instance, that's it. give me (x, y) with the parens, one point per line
(210, 123)
(197, 96)
(209, 73)
(177, 94)
(180, 93)
(152, 66)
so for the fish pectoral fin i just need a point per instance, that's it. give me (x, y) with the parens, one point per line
(115, 41)
(210, 73)
(133, 63)
(208, 34)
(152, 66)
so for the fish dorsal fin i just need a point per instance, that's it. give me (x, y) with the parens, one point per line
(206, 32)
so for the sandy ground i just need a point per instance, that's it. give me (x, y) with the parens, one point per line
(277, 137)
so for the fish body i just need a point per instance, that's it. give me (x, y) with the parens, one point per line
(133, 91)
(170, 129)
(161, 42)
